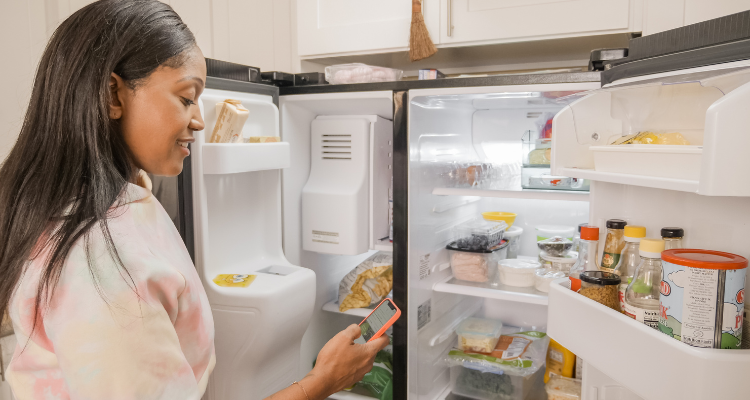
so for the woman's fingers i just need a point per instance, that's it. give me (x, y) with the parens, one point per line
(378, 344)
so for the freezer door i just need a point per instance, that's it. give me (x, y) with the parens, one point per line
(261, 303)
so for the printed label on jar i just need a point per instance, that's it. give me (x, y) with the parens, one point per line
(609, 261)
(621, 295)
(647, 317)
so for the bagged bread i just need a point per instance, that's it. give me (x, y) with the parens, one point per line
(367, 284)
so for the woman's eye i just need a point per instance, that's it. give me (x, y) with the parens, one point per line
(187, 101)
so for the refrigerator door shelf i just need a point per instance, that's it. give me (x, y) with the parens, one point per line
(232, 158)
(658, 366)
(539, 194)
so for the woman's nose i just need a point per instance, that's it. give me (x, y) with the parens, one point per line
(196, 122)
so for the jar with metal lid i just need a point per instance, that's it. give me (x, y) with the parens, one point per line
(613, 244)
(601, 287)
(672, 237)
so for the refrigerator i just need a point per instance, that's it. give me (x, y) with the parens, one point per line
(248, 209)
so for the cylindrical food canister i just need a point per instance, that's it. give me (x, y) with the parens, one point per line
(702, 297)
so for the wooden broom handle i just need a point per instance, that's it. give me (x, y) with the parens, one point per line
(416, 6)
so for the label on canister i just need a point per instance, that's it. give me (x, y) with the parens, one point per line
(702, 307)
(647, 317)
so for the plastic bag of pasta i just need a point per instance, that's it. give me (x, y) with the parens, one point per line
(368, 284)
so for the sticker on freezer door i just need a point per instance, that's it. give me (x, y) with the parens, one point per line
(424, 266)
(325, 237)
(234, 280)
(423, 314)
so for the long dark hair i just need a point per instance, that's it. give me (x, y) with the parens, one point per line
(70, 161)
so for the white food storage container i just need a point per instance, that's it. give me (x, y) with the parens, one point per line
(478, 334)
(513, 236)
(519, 273)
(360, 73)
(492, 384)
(476, 265)
(657, 160)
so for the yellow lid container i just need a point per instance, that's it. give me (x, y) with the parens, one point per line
(508, 217)
(651, 247)
(634, 233)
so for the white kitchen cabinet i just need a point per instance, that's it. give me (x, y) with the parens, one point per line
(359, 26)
(196, 14)
(496, 21)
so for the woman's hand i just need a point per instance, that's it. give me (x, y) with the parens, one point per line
(342, 363)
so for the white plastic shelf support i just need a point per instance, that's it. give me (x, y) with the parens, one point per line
(658, 366)
(682, 185)
(568, 195)
(501, 292)
(344, 395)
(232, 158)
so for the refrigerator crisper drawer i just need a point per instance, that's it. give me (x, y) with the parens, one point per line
(644, 360)
(676, 162)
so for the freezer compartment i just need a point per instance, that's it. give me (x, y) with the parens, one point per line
(658, 366)
(704, 105)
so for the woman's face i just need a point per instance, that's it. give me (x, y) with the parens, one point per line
(159, 117)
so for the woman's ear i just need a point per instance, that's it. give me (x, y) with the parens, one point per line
(116, 88)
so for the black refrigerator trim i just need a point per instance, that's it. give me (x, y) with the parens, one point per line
(185, 205)
(400, 242)
(497, 80)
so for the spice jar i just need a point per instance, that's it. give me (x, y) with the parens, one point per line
(601, 287)
(672, 237)
(613, 244)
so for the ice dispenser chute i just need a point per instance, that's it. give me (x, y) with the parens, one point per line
(344, 202)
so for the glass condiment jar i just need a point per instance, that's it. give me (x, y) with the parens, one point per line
(601, 287)
(672, 237)
(629, 259)
(642, 294)
(613, 244)
(589, 248)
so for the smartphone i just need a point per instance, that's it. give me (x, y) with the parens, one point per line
(379, 320)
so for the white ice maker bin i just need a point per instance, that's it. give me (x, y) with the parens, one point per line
(345, 199)
(237, 219)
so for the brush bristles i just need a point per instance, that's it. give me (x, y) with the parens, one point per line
(420, 44)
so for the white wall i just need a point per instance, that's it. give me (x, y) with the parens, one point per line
(251, 32)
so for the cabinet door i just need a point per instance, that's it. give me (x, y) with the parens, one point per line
(354, 26)
(517, 20)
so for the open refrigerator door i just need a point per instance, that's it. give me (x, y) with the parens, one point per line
(469, 154)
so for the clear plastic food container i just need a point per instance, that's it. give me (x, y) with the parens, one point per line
(476, 265)
(519, 273)
(479, 234)
(361, 73)
(562, 388)
(563, 263)
(513, 236)
(492, 384)
(543, 277)
(548, 231)
(478, 334)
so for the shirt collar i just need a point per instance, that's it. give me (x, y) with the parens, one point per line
(138, 191)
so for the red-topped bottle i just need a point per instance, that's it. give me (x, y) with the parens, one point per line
(587, 251)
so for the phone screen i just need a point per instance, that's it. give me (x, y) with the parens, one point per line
(382, 314)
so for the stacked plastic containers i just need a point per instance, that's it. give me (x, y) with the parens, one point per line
(477, 248)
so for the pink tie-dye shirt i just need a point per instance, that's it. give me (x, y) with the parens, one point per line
(112, 343)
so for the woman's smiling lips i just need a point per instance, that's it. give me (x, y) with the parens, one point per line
(184, 144)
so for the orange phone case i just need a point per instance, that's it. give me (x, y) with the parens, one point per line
(388, 324)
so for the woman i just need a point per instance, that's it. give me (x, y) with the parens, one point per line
(104, 299)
